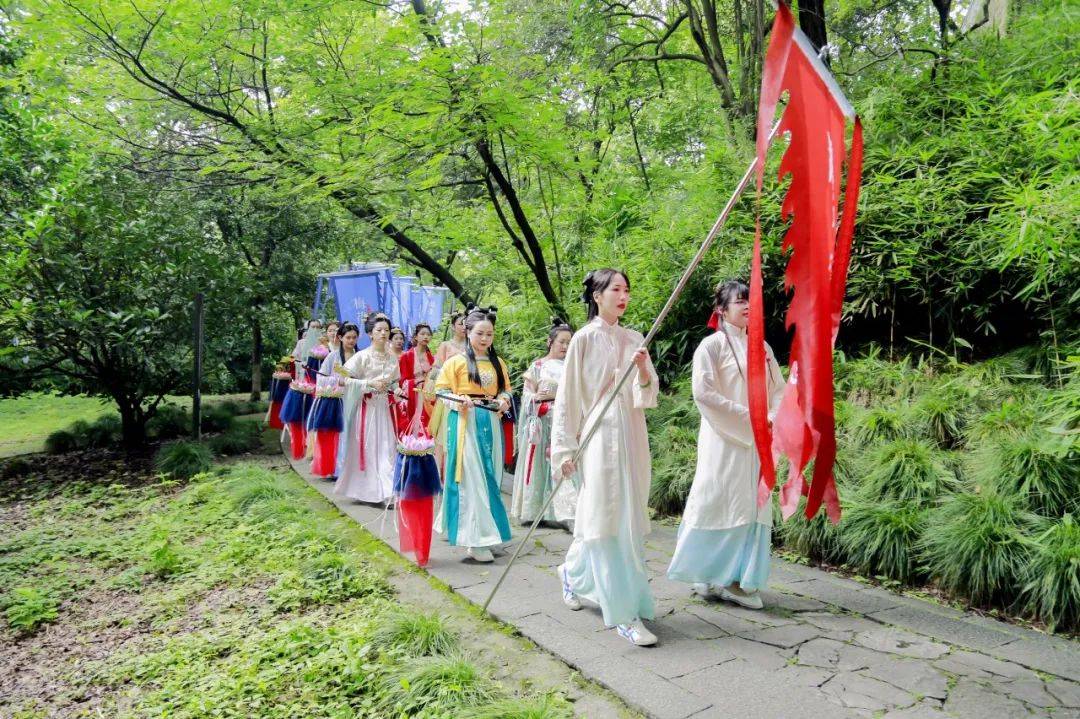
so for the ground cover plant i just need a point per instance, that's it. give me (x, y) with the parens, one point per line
(240, 593)
(958, 478)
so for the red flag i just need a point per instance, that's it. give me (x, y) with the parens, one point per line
(819, 241)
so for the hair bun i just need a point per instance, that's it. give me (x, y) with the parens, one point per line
(557, 321)
(470, 307)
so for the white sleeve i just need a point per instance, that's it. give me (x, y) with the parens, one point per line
(727, 417)
(569, 409)
(645, 397)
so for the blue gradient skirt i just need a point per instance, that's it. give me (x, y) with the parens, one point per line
(723, 556)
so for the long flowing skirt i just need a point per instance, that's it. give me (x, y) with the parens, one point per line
(366, 467)
(532, 479)
(325, 424)
(609, 570)
(473, 512)
(723, 556)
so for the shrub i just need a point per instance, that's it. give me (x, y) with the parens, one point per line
(907, 470)
(1043, 468)
(433, 682)
(549, 707)
(242, 437)
(974, 543)
(1051, 580)
(817, 538)
(169, 422)
(104, 431)
(941, 412)
(881, 538)
(248, 488)
(1013, 417)
(417, 635)
(60, 442)
(27, 608)
(17, 467)
(183, 460)
(673, 469)
(885, 423)
(230, 407)
(216, 419)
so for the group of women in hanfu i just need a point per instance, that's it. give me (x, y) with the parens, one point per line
(582, 455)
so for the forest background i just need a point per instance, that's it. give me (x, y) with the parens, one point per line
(152, 150)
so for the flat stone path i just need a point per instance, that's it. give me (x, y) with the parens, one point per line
(823, 646)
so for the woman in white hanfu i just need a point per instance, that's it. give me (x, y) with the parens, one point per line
(606, 561)
(369, 441)
(724, 539)
(533, 480)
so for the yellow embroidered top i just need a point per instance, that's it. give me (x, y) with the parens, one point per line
(454, 377)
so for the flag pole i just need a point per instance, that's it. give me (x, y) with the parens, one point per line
(675, 294)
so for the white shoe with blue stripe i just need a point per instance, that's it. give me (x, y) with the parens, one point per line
(636, 633)
(568, 597)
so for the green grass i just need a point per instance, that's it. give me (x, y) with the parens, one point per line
(28, 420)
(242, 594)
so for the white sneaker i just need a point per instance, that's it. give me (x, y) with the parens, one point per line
(636, 633)
(750, 600)
(568, 597)
(479, 554)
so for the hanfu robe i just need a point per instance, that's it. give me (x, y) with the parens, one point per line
(414, 369)
(473, 514)
(606, 561)
(533, 481)
(369, 440)
(326, 422)
(724, 536)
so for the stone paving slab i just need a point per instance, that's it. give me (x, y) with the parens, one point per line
(824, 646)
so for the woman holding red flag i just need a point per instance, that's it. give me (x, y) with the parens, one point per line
(724, 539)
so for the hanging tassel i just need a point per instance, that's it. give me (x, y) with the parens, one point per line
(714, 320)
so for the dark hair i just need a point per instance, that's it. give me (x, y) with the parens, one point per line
(475, 316)
(598, 281)
(333, 322)
(728, 291)
(418, 327)
(397, 331)
(375, 318)
(344, 329)
(557, 326)
(307, 325)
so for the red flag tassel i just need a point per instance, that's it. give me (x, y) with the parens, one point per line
(772, 76)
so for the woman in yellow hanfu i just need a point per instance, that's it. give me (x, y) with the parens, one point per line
(474, 388)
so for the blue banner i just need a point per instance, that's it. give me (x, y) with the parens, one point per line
(356, 295)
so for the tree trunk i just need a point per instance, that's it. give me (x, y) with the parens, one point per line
(812, 22)
(256, 358)
(132, 424)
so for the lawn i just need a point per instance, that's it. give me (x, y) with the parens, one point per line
(240, 594)
(26, 421)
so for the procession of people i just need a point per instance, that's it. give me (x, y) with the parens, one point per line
(396, 425)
